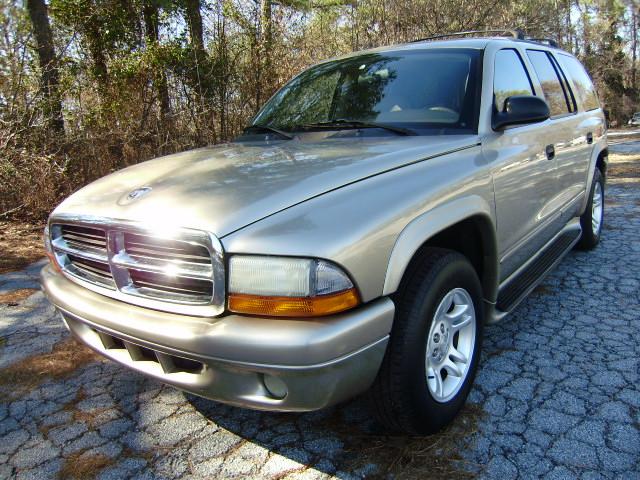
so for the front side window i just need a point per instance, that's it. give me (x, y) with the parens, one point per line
(428, 91)
(510, 78)
(551, 83)
(585, 90)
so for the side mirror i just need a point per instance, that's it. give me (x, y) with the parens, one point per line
(520, 110)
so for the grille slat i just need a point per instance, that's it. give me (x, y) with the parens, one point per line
(173, 285)
(93, 267)
(154, 254)
(166, 247)
(97, 242)
(88, 235)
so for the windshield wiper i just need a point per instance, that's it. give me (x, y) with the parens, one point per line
(267, 128)
(343, 123)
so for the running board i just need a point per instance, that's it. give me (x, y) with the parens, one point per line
(526, 278)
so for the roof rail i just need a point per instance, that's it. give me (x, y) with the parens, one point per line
(549, 41)
(515, 33)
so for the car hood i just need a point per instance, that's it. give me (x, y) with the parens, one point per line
(223, 188)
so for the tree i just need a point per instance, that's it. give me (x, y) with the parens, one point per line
(47, 58)
(150, 13)
(193, 17)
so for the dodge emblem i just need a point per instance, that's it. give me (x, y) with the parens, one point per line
(138, 192)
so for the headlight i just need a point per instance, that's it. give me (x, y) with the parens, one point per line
(288, 287)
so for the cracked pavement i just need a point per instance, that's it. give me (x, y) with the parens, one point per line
(559, 385)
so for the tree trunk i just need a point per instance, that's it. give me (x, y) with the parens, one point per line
(264, 50)
(152, 34)
(634, 45)
(47, 58)
(194, 22)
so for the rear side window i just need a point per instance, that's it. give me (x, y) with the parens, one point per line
(551, 83)
(585, 90)
(510, 77)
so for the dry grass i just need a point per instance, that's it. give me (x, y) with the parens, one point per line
(84, 466)
(20, 244)
(14, 297)
(436, 457)
(89, 418)
(65, 358)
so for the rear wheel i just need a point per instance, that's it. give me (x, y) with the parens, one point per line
(434, 348)
(593, 216)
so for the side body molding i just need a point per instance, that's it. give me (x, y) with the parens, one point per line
(425, 226)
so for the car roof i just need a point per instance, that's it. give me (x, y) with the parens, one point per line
(478, 43)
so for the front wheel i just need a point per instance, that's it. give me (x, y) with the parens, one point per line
(593, 216)
(433, 352)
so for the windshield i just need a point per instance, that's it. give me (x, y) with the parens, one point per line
(428, 91)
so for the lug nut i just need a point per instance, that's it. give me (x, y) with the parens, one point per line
(436, 337)
(442, 328)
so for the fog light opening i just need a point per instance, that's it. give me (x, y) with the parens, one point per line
(276, 387)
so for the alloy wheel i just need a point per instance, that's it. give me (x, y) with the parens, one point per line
(450, 345)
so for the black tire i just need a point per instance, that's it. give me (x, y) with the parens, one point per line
(401, 398)
(589, 239)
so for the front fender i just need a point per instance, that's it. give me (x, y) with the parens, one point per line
(430, 223)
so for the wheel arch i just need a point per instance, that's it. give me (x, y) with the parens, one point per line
(599, 160)
(466, 226)
(602, 162)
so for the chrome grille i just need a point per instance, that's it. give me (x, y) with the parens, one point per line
(179, 272)
(83, 238)
(82, 251)
(144, 247)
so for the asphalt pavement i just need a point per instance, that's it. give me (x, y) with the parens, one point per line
(558, 391)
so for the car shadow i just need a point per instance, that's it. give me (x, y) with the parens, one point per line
(345, 441)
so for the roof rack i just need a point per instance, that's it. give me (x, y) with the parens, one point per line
(549, 41)
(503, 32)
(515, 33)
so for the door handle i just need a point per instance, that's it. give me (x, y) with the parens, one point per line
(550, 150)
(590, 138)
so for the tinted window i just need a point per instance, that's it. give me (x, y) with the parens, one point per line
(585, 91)
(550, 82)
(571, 103)
(510, 78)
(422, 90)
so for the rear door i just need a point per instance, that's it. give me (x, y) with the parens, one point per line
(588, 127)
(569, 136)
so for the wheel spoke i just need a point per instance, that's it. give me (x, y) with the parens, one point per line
(452, 368)
(466, 320)
(447, 303)
(435, 377)
(457, 312)
(457, 356)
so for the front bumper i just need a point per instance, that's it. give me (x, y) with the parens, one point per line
(262, 363)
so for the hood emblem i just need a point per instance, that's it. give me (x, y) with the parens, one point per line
(138, 193)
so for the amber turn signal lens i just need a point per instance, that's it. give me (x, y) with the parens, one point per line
(293, 306)
(48, 250)
(52, 260)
